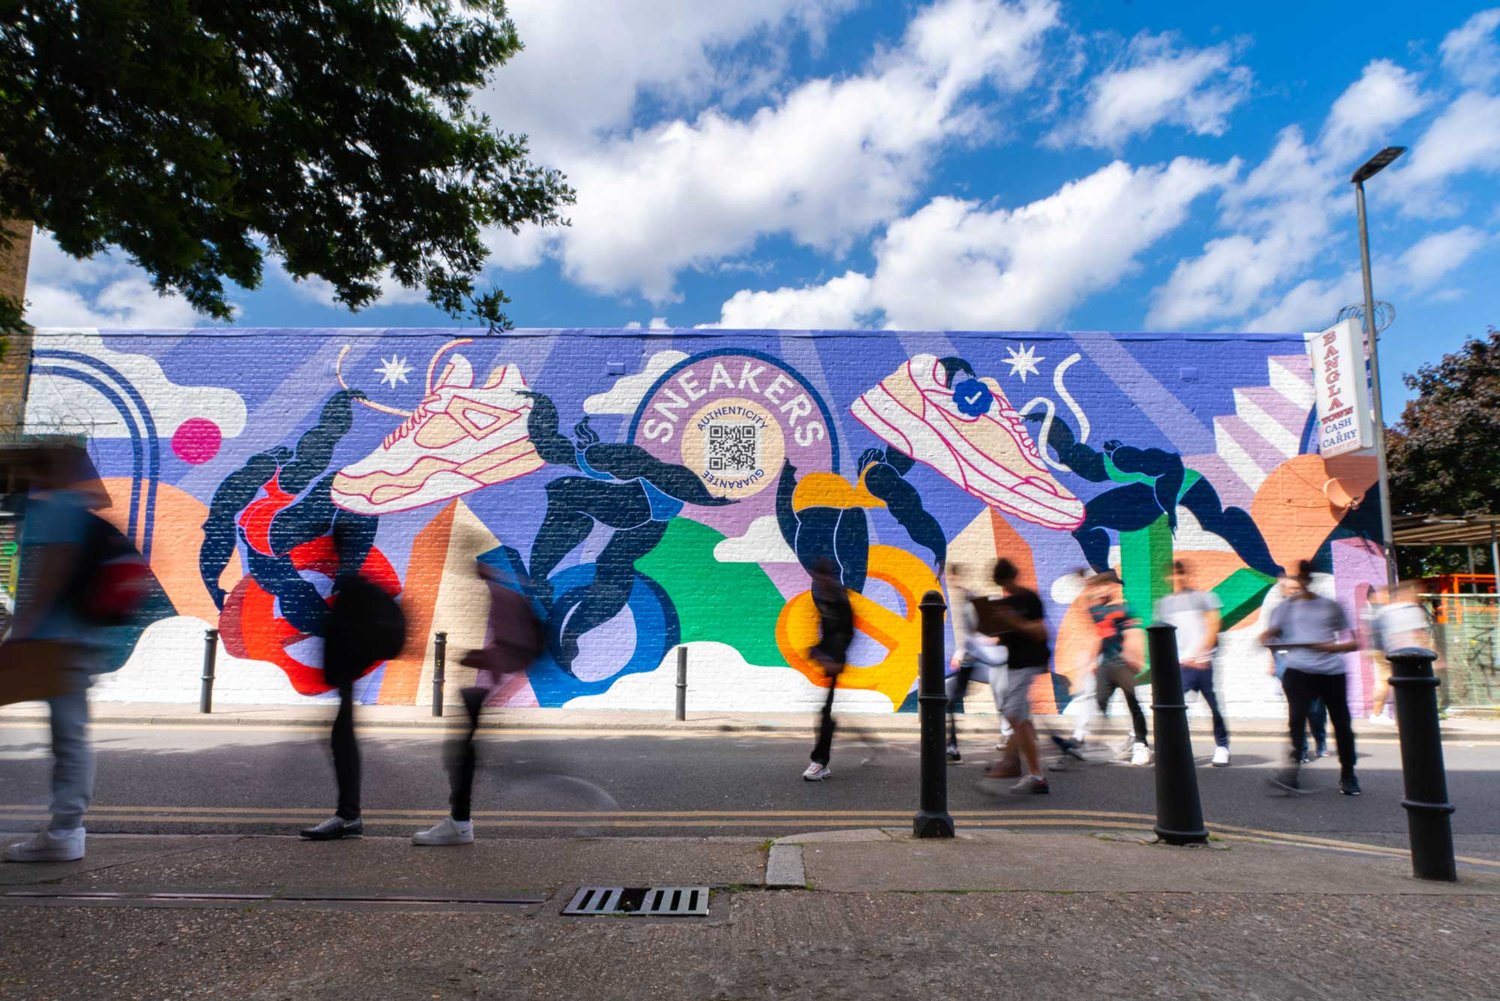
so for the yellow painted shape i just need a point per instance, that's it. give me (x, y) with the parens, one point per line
(901, 635)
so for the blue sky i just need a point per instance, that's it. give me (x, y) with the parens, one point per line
(969, 164)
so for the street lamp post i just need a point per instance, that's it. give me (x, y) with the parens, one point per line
(1371, 167)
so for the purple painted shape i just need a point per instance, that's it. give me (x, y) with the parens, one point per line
(1282, 410)
(1358, 565)
(1232, 491)
(1265, 455)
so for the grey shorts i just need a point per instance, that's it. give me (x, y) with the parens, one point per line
(1016, 706)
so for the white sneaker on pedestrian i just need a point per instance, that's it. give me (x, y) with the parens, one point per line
(48, 846)
(1382, 720)
(1221, 756)
(1140, 755)
(816, 772)
(446, 832)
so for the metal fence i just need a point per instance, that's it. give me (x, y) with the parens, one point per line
(1466, 630)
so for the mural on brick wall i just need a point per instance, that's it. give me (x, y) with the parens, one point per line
(651, 489)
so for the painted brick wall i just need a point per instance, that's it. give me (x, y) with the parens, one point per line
(650, 489)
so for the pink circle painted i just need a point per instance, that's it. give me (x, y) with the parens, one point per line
(197, 440)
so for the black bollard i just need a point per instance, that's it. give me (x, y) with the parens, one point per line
(1427, 807)
(932, 821)
(681, 683)
(439, 668)
(210, 657)
(1179, 814)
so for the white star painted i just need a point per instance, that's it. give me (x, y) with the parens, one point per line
(1024, 362)
(393, 370)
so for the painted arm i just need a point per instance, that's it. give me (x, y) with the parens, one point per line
(1071, 452)
(631, 462)
(1166, 467)
(905, 505)
(315, 447)
(219, 531)
(541, 426)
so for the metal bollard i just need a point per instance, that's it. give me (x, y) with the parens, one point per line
(681, 683)
(210, 657)
(1179, 814)
(933, 820)
(439, 666)
(1427, 808)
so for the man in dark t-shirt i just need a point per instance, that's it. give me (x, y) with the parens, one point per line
(1016, 619)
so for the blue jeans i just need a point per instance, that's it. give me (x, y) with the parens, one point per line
(72, 754)
(1201, 680)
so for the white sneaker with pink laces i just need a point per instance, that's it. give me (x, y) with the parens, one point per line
(971, 434)
(461, 438)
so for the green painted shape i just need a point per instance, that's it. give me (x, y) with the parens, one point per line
(1145, 555)
(1241, 593)
(733, 603)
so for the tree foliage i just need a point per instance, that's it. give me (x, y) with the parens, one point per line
(1443, 456)
(200, 135)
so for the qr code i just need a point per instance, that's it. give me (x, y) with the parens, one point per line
(731, 448)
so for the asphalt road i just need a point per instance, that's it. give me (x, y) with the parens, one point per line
(218, 778)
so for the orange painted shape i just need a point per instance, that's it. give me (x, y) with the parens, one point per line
(176, 540)
(424, 574)
(1292, 506)
(901, 635)
(1010, 545)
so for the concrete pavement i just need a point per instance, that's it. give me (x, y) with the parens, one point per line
(995, 913)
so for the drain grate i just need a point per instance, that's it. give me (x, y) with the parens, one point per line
(654, 901)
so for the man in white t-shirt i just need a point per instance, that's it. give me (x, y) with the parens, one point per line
(1196, 616)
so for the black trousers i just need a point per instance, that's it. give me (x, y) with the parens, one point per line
(1113, 674)
(462, 756)
(346, 754)
(957, 685)
(823, 749)
(1301, 689)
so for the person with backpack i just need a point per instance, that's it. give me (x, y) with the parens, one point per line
(364, 627)
(58, 636)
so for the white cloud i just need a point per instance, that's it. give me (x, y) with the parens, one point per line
(1465, 137)
(761, 543)
(1156, 84)
(103, 291)
(1362, 118)
(955, 264)
(628, 391)
(1432, 258)
(1470, 53)
(824, 164)
(840, 303)
(55, 401)
(1309, 305)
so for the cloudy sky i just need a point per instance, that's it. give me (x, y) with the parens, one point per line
(971, 164)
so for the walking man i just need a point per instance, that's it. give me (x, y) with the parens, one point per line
(1017, 620)
(1196, 614)
(52, 627)
(836, 632)
(1307, 629)
(976, 655)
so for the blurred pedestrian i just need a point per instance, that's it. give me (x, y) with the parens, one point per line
(56, 643)
(1196, 614)
(1118, 656)
(364, 627)
(515, 639)
(975, 656)
(1317, 712)
(1397, 622)
(1017, 620)
(835, 632)
(1307, 628)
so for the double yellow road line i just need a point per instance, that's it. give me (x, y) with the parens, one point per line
(683, 820)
